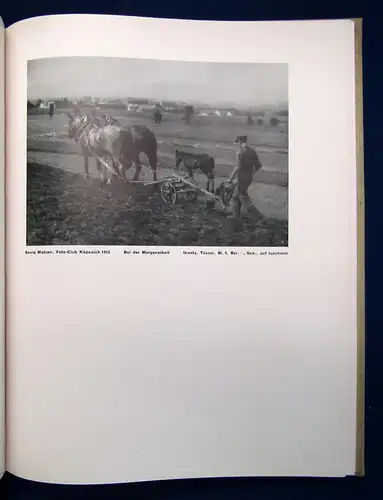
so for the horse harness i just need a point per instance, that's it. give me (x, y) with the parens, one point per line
(82, 136)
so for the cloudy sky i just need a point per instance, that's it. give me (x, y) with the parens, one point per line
(244, 84)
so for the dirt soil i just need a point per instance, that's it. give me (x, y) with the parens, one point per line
(65, 209)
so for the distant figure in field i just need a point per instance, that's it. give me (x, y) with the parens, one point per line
(76, 110)
(247, 164)
(188, 113)
(158, 112)
(51, 109)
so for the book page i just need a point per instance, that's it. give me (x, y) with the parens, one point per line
(2, 251)
(171, 315)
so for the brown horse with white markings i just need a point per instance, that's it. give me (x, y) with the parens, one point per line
(105, 139)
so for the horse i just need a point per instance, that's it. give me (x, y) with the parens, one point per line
(193, 161)
(111, 141)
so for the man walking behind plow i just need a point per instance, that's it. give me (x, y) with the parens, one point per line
(247, 165)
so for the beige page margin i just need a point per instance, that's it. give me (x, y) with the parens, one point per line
(360, 468)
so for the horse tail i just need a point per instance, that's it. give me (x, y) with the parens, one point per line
(178, 159)
(127, 145)
(151, 149)
(211, 168)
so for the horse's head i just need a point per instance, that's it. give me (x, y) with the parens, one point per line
(110, 120)
(72, 125)
(77, 123)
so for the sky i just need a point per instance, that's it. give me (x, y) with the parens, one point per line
(204, 82)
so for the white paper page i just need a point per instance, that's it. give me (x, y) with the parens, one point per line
(141, 367)
(2, 252)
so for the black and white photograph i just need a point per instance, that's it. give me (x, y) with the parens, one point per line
(157, 153)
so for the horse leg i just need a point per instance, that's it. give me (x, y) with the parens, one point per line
(138, 167)
(105, 173)
(152, 157)
(116, 169)
(101, 171)
(124, 165)
(110, 175)
(86, 163)
(121, 169)
(210, 184)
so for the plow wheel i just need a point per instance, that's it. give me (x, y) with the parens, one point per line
(168, 193)
(190, 193)
(226, 192)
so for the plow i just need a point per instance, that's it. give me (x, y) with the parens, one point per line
(174, 186)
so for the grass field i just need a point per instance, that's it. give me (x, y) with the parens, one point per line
(63, 209)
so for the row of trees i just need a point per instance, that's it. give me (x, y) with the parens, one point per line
(274, 121)
(188, 111)
(36, 104)
(282, 113)
(59, 103)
